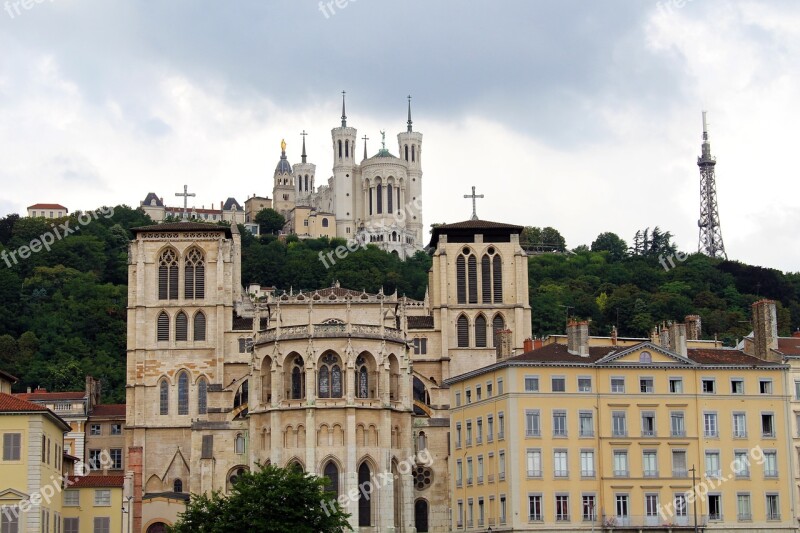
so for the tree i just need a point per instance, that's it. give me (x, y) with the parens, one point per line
(269, 221)
(272, 499)
(544, 239)
(610, 242)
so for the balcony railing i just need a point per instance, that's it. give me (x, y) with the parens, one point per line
(678, 433)
(651, 473)
(648, 433)
(620, 433)
(561, 473)
(636, 522)
(621, 473)
(680, 472)
(528, 433)
(534, 473)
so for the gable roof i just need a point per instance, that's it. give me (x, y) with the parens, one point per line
(47, 206)
(615, 355)
(8, 377)
(148, 200)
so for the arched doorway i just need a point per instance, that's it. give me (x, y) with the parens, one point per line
(421, 516)
(158, 527)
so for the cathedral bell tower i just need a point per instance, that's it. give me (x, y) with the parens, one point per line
(283, 191)
(304, 176)
(344, 167)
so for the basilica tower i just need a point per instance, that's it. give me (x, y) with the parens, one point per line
(410, 146)
(344, 167)
(283, 191)
(304, 176)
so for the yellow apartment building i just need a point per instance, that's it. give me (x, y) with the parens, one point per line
(603, 436)
(30, 466)
(95, 504)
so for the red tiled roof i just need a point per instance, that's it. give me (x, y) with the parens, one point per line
(557, 353)
(13, 404)
(47, 206)
(725, 356)
(114, 409)
(79, 482)
(789, 345)
(45, 396)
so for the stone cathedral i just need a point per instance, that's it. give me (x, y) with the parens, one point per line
(337, 382)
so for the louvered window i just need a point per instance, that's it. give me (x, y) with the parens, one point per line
(194, 275)
(480, 332)
(199, 326)
(462, 332)
(164, 397)
(168, 275)
(163, 326)
(498, 324)
(461, 279)
(497, 271)
(181, 327)
(486, 279)
(472, 265)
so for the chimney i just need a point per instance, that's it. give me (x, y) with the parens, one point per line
(527, 345)
(664, 336)
(765, 330)
(504, 349)
(796, 334)
(614, 336)
(578, 338)
(677, 339)
(693, 327)
(29, 390)
(135, 464)
(538, 342)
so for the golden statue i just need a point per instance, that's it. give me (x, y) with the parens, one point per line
(283, 145)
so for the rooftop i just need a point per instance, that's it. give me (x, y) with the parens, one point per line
(112, 409)
(15, 405)
(41, 395)
(472, 227)
(80, 482)
(47, 206)
(182, 226)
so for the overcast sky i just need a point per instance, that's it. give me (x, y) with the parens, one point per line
(584, 116)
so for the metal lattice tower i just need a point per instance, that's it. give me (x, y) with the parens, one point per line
(710, 242)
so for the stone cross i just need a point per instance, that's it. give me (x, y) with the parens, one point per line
(186, 196)
(474, 197)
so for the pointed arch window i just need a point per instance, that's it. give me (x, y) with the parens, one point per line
(298, 379)
(181, 326)
(498, 324)
(497, 272)
(362, 377)
(177, 486)
(194, 273)
(163, 397)
(364, 502)
(199, 326)
(183, 393)
(472, 271)
(480, 332)
(379, 190)
(330, 377)
(202, 396)
(486, 279)
(462, 332)
(168, 275)
(461, 279)
(340, 149)
(331, 472)
(389, 198)
(162, 331)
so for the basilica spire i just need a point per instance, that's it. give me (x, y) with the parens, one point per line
(409, 114)
(344, 115)
(303, 155)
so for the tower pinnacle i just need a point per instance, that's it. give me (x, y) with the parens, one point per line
(710, 241)
(344, 115)
(409, 114)
(303, 155)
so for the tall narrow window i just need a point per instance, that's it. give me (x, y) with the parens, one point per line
(194, 274)
(379, 191)
(413, 152)
(163, 396)
(461, 279)
(347, 148)
(340, 149)
(406, 152)
(199, 326)
(183, 393)
(480, 332)
(298, 379)
(497, 273)
(202, 396)
(362, 378)
(472, 268)
(181, 326)
(462, 332)
(486, 279)
(168, 275)
(332, 473)
(389, 198)
(498, 324)
(370, 200)
(364, 502)
(330, 377)
(163, 326)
